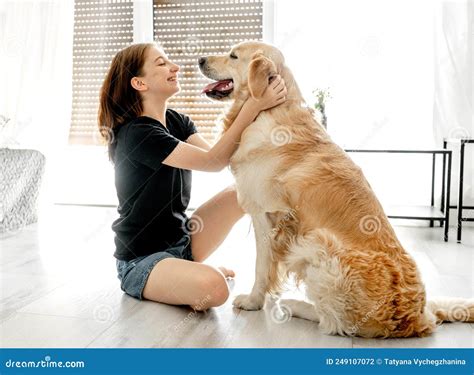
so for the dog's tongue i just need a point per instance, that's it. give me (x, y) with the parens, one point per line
(224, 85)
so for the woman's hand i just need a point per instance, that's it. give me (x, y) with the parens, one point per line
(274, 95)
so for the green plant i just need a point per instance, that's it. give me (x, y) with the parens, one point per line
(322, 95)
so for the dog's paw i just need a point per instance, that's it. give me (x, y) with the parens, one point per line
(248, 302)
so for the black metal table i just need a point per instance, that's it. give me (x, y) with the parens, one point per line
(460, 206)
(422, 212)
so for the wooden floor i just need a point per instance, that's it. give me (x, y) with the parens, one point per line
(59, 289)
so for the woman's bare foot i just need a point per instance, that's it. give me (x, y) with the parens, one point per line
(227, 272)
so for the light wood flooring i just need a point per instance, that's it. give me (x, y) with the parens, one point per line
(59, 289)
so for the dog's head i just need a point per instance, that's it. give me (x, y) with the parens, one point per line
(246, 69)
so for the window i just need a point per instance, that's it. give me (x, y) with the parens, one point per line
(185, 29)
(189, 29)
(101, 29)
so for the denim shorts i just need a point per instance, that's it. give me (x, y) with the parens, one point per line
(133, 274)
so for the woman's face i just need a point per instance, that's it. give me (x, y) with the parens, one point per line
(160, 75)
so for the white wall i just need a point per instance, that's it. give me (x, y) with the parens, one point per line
(377, 59)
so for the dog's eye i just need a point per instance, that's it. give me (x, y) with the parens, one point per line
(233, 56)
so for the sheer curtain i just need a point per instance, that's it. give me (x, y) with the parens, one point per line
(36, 72)
(454, 100)
(36, 76)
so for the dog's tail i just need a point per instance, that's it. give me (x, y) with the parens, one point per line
(452, 309)
(441, 310)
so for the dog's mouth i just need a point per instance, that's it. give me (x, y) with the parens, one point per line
(219, 89)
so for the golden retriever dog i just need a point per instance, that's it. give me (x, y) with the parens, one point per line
(315, 216)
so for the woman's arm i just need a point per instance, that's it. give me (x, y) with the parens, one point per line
(197, 140)
(189, 156)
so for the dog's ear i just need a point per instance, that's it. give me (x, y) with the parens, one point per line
(261, 70)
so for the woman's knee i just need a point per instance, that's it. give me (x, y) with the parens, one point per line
(214, 291)
(232, 196)
(231, 193)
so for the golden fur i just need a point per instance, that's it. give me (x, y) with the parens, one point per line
(317, 218)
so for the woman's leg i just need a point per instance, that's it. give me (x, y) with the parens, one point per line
(212, 223)
(182, 282)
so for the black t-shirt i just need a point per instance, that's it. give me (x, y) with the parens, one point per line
(153, 197)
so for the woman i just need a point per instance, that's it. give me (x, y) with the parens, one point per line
(154, 149)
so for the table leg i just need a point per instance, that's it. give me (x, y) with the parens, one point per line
(443, 180)
(433, 169)
(460, 197)
(448, 196)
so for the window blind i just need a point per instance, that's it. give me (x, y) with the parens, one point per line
(101, 29)
(187, 29)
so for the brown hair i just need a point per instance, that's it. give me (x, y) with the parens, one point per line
(119, 101)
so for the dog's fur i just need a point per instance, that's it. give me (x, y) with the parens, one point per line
(316, 217)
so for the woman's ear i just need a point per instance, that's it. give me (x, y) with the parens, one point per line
(261, 69)
(138, 84)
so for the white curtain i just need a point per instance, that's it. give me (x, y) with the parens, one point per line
(454, 100)
(376, 57)
(36, 72)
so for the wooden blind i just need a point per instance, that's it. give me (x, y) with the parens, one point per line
(101, 29)
(189, 29)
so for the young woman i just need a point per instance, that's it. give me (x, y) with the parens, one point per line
(153, 148)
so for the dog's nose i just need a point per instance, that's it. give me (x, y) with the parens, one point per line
(202, 61)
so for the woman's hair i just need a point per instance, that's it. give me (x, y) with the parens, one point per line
(119, 101)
